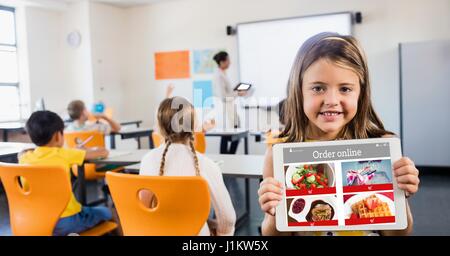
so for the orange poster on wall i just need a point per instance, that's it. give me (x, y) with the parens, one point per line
(172, 65)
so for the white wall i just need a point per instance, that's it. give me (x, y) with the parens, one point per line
(108, 44)
(58, 72)
(77, 62)
(118, 46)
(45, 61)
(196, 24)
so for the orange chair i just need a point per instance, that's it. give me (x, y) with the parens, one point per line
(36, 210)
(92, 139)
(157, 138)
(182, 208)
(199, 141)
(272, 138)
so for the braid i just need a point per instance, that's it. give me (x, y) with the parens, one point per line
(163, 159)
(191, 143)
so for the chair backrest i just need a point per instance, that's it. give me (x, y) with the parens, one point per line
(36, 210)
(96, 139)
(182, 208)
(93, 138)
(272, 138)
(199, 141)
(157, 139)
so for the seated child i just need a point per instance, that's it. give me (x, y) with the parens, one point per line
(177, 157)
(46, 131)
(80, 115)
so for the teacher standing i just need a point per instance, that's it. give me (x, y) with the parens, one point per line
(223, 90)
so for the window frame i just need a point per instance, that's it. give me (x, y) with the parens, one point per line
(16, 84)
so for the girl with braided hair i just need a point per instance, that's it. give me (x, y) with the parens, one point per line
(177, 157)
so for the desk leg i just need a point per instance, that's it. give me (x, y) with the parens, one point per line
(245, 217)
(112, 138)
(138, 139)
(246, 145)
(224, 145)
(81, 185)
(5, 135)
(150, 142)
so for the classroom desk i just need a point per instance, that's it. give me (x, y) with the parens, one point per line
(136, 133)
(7, 127)
(233, 135)
(116, 157)
(240, 166)
(130, 122)
(258, 136)
(9, 150)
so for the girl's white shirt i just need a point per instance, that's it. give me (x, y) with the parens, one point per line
(180, 162)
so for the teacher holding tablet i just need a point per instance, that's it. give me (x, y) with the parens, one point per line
(226, 93)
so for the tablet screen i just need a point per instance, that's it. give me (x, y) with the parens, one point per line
(338, 185)
(242, 87)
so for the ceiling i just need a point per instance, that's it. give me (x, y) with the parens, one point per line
(63, 3)
(122, 3)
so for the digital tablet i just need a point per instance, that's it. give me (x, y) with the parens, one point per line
(339, 185)
(242, 87)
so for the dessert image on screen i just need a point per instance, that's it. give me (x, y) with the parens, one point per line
(371, 207)
(367, 208)
(359, 173)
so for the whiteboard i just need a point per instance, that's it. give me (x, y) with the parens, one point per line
(267, 49)
(425, 92)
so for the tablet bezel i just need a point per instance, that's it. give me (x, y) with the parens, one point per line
(399, 195)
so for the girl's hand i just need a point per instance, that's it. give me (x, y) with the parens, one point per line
(270, 193)
(407, 175)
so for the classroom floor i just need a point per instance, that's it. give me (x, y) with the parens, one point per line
(430, 207)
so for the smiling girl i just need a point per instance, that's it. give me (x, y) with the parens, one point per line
(329, 99)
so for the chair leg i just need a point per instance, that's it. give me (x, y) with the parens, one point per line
(105, 189)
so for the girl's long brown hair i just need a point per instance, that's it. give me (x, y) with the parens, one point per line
(176, 120)
(345, 52)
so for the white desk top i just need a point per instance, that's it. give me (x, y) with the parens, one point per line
(129, 122)
(128, 130)
(9, 148)
(12, 125)
(250, 166)
(221, 132)
(123, 157)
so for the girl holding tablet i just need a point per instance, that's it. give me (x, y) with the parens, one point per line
(329, 99)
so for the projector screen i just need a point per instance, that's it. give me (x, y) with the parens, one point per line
(267, 50)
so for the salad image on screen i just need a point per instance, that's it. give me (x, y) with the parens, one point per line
(310, 176)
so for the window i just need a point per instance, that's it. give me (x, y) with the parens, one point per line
(9, 68)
